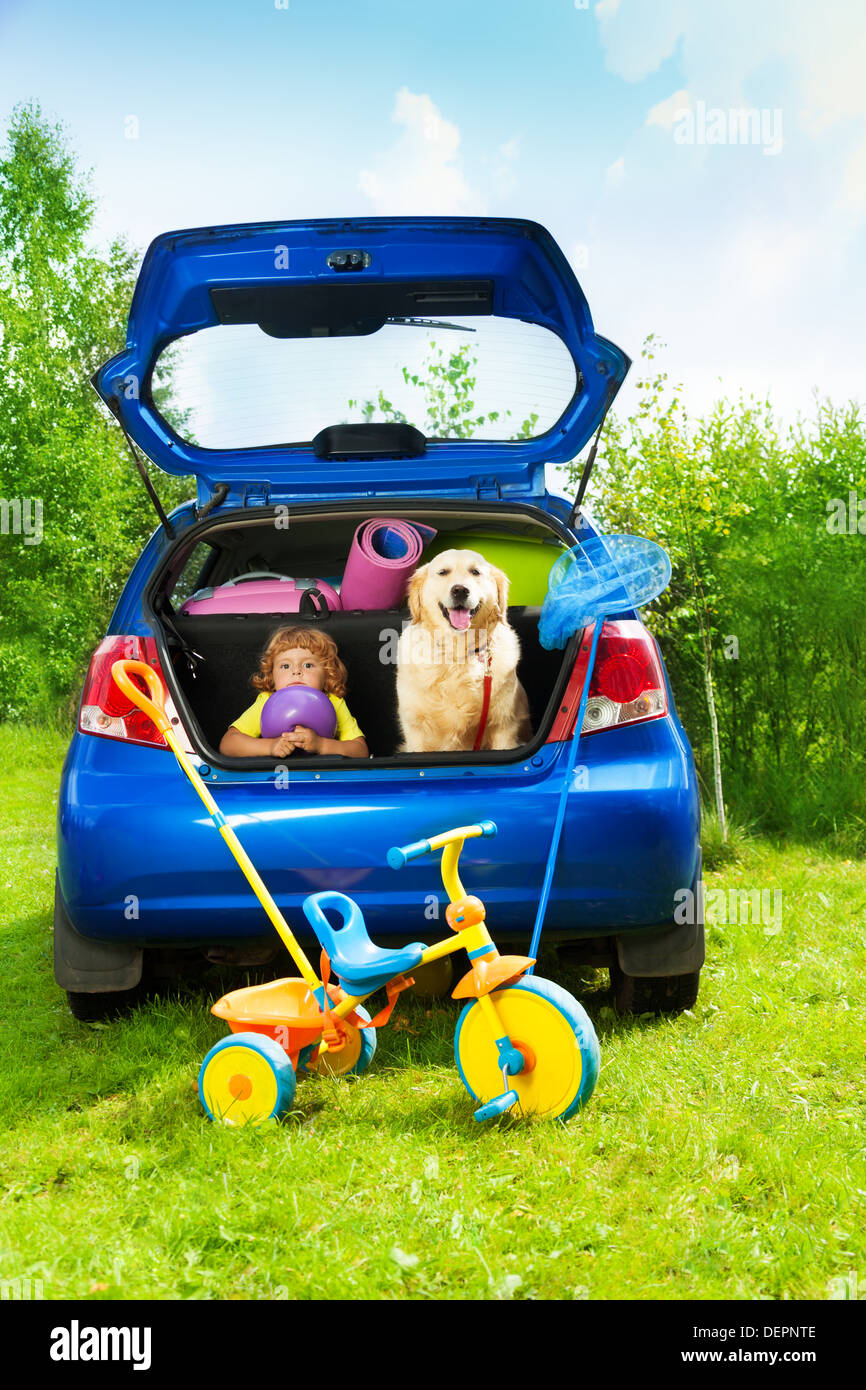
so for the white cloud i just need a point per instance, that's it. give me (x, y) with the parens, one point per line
(504, 173)
(638, 37)
(748, 267)
(615, 173)
(854, 183)
(767, 257)
(827, 45)
(666, 113)
(815, 54)
(421, 172)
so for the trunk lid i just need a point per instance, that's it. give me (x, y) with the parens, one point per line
(327, 359)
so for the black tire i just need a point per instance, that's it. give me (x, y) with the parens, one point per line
(662, 994)
(92, 1008)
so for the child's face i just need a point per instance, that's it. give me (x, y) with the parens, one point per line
(298, 666)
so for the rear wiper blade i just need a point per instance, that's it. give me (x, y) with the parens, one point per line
(432, 323)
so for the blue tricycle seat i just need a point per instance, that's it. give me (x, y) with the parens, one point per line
(361, 965)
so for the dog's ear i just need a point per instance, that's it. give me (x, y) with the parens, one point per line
(413, 593)
(502, 583)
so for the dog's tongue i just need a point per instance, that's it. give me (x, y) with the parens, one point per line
(459, 618)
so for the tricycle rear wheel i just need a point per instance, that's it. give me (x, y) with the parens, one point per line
(246, 1079)
(356, 1056)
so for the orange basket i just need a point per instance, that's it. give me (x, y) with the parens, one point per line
(285, 1010)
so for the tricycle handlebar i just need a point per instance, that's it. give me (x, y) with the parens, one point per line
(401, 854)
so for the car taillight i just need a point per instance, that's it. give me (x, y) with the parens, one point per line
(104, 709)
(627, 684)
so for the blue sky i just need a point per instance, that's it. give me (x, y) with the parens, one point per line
(611, 123)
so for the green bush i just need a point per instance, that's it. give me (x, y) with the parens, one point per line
(747, 515)
(63, 310)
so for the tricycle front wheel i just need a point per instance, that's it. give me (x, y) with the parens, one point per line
(556, 1037)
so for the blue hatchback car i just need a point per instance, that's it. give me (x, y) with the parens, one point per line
(284, 365)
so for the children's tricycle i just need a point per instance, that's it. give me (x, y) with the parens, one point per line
(519, 1041)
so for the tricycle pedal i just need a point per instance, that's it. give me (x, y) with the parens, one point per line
(497, 1106)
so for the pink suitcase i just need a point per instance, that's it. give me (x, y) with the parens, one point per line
(266, 593)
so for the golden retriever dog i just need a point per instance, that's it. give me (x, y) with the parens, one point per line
(459, 609)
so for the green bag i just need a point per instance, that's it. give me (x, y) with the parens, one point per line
(526, 560)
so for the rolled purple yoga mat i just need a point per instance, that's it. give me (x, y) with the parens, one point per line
(385, 554)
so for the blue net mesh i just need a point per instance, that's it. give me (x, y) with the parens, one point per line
(604, 575)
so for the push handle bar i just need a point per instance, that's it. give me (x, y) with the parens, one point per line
(401, 854)
(154, 707)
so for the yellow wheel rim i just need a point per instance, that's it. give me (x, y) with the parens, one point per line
(553, 1083)
(338, 1063)
(240, 1086)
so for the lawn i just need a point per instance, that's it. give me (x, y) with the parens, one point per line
(722, 1155)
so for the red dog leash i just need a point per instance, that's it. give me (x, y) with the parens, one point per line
(485, 699)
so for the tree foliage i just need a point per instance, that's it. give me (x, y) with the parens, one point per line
(63, 310)
(446, 385)
(782, 591)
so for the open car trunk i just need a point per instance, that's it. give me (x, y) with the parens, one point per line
(212, 688)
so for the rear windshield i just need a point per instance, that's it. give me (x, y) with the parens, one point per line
(489, 378)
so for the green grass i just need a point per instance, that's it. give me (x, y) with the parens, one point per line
(721, 850)
(722, 1155)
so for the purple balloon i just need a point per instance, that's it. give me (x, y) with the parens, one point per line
(298, 704)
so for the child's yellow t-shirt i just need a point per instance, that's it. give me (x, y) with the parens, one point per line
(250, 722)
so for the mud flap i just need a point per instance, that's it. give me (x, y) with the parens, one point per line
(91, 967)
(677, 949)
(674, 950)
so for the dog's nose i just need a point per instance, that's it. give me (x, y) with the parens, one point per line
(459, 594)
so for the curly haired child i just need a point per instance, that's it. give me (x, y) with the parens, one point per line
(296, 656)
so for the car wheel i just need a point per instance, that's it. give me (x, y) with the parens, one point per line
(660, 994)
(90, 1008)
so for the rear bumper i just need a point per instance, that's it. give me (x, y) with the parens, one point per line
(139, 859)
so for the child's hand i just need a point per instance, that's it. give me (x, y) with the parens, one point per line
(306, 739)
(281, 747)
